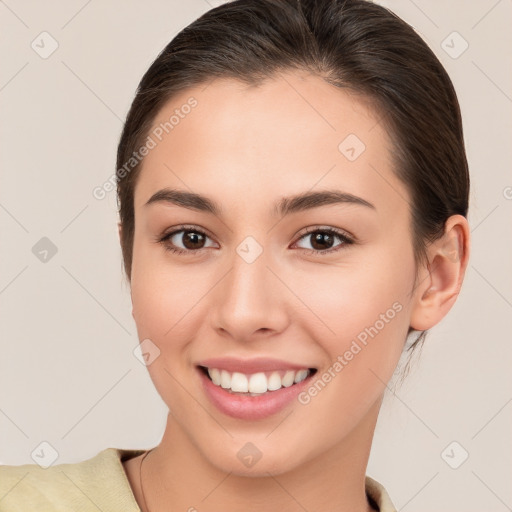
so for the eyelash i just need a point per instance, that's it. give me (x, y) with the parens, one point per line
(346, 240)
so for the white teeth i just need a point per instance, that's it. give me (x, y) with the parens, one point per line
(225, 379)
(239, 383)
(274, 382)
(288, 378)
(257, 383)
(301, 375)
(214, 375)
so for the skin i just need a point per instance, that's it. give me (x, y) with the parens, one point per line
(245, 149)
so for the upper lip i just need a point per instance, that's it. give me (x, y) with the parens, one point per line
(250, 366)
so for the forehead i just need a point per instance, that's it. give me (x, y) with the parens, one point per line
(293, 133)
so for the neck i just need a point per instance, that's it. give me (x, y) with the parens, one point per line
(176, 472)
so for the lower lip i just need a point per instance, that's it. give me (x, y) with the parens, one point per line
(248, 407)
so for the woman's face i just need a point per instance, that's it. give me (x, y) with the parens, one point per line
(252, 283)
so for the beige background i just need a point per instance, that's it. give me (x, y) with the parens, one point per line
(68, 376)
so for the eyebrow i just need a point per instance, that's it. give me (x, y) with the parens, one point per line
(283, 207)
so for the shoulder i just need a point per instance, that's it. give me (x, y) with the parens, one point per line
(92, 484)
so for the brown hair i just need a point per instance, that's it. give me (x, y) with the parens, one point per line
(352, 44)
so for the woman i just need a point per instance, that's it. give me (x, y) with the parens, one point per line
(293, 191)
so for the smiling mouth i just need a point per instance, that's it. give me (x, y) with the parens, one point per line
(256, 384)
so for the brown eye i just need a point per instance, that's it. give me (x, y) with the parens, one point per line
(191, 239)
(322, 240)
(182, 241)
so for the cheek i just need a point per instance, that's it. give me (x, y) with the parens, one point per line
(159, 312)
(347, 299)
(362, 329)
(160, 304)
(168, 305)
(156, 291)
(359, 315)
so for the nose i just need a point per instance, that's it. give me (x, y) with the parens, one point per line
(251, 300)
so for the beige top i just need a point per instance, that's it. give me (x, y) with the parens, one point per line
(99, 483)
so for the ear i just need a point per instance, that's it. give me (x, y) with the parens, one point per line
(439, 285)
(120, 231)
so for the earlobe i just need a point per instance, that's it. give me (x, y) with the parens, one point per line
(120, 229)
(440, 285)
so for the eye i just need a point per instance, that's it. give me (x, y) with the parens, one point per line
(322, 240)
(192, 240)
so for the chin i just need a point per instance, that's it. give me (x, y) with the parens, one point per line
(260, 469)
(250, 462)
